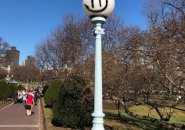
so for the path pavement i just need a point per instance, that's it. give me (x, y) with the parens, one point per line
(13, 117)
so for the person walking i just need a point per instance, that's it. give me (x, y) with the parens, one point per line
(19, 96)
(15, 97)
(24, 98)
(29, 103)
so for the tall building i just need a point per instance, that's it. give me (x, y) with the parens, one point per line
(12, 57)
(30, 60)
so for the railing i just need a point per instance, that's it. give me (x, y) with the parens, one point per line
(5, 102)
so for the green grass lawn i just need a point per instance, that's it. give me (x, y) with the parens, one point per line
(118, 125)
(132, 123)
(128, 122)
(177, 117)
(48, 115)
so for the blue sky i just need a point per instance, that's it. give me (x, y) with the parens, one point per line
(24, 23)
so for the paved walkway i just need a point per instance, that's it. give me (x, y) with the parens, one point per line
(13, 117)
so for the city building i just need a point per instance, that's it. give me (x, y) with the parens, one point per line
(23, 63)
(30, 61)
(12, 57)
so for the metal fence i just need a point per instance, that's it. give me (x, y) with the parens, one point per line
(5, 102)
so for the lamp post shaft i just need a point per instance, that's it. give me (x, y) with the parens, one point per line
(98, 107)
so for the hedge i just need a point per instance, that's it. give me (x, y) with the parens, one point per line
(52, 91)
(5, 90)
(73, 107)
(20, 87)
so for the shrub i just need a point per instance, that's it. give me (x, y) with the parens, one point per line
(13, 88)
(73, 106)
(20, 87)
(5, 91)
(45, 89)
(52, 91)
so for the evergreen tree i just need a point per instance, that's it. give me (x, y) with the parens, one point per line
(73, 106)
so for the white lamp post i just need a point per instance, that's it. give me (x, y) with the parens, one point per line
(98, 10)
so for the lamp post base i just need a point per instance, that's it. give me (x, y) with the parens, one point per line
(98, 127)
(98, 121)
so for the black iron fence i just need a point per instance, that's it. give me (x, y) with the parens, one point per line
(5, 101)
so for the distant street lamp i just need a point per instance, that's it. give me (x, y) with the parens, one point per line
(98, 10)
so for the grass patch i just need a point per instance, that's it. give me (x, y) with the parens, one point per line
(48, 117)
(118, 125)
(143, 110)
(130, 123)
(126, 122)
(178, 116)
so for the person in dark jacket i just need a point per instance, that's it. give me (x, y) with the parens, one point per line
(15, 97)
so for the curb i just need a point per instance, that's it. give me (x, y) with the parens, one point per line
(42, 125)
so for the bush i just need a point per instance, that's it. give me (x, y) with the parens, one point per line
(52, 91)
(5, 90)
(13, 88)
(73, 106)
(45, 89)
(20, 87)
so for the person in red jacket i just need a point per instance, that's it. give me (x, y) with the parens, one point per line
(29, 103)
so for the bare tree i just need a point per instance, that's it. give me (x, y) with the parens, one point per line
(135, 62)
(3, 74)
(67, 47)
(165, 44)
(25, 74)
